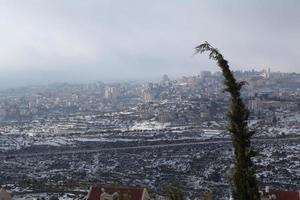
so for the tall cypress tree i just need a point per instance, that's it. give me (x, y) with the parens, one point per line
(244, 185)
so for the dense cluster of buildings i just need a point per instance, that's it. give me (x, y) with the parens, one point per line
(168, 100)
(88, 132)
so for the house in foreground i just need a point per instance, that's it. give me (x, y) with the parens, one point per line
(117, 193)
(269, 194)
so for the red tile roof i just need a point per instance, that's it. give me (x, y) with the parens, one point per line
(133, 193)
(284, 195)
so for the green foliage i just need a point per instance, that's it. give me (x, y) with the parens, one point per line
(174, 193)
(243, 180)
(206, 196)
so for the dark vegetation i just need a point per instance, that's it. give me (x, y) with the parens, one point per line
(244, 185)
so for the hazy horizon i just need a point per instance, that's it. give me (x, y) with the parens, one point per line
(47, 41)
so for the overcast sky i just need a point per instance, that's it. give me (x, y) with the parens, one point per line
(44, 41)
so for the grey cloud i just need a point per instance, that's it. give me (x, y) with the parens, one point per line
(73, 40)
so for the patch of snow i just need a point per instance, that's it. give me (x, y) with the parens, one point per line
(147, 125)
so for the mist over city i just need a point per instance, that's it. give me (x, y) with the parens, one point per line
(140, 100)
